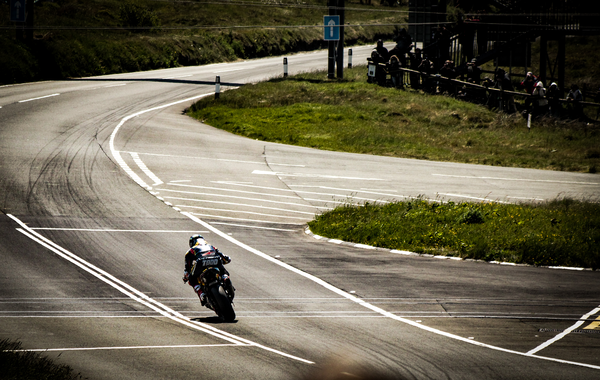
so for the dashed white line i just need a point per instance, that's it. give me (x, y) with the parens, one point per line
(40, 97)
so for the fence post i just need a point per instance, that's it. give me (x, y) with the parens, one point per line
(285, 67)
(217, 87)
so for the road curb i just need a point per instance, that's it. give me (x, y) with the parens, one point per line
(409, 253)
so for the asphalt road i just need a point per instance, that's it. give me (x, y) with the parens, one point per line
(102, 180)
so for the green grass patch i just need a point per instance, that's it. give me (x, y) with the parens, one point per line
(352, 115)
(563, 232)
(24, 365)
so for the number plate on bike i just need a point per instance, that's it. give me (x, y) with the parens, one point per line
(211, 261)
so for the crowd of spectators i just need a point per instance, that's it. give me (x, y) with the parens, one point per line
(437, 79)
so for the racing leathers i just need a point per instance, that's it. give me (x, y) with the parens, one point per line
(203, 250)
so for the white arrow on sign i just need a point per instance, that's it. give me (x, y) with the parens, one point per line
(331, 24)
(18, 8)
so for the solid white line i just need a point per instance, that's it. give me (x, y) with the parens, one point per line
(178, 76)
(232, 218)
(564, 333)
(345, 196)
(240, 212)
(257, 227)
(517, 179)
(280, 174)
(370, 306)
(127, 348)
(140, 296)
(117, 155)
(119, 285)
(234, 190)
(242, 198)
(41, 97)
(112, 230)
(141, 165)
(469, 197)
(202, 158)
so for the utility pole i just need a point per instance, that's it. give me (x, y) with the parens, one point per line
(340, 50)
(331, 44)
(29, 21)
(336, 47)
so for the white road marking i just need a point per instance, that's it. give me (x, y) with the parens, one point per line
(117, 155)
(138, 295)
(305, 175)
(141, 165)
(113, 230)
(241, 198)
(345, 196)
(371, 306)
(518, 179)
(257, 227)
(41, 97)
(232, 218)
(240, 212)
(262, 163)
(235, 190)
(470, 197)
(178, 76)
(128, 348)
(315, 279)
(564, 333)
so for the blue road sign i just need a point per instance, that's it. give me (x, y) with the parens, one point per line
(331, 28)
(17, 10)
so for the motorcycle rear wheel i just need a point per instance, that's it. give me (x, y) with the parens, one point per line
(224, 307)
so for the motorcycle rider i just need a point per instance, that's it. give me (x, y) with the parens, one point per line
(200, 247)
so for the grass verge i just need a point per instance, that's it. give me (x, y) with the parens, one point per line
(562, 232)
(21, 365)
(352, 115)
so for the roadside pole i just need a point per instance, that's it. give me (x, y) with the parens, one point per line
(340, 46)
(333, 33)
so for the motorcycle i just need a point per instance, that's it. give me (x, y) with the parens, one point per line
(219, 297)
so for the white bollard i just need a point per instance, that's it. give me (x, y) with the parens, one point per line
(349, 58)
(285, 67)
(217, 87)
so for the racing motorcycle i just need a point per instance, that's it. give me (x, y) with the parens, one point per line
(219, 297)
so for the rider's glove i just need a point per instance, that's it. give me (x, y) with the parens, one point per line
(186, 277)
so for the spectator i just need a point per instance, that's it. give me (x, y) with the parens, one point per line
(553, 96)
(540, 103)
(473, 72)
(415, 61)
(426, 68)
(449, 72)
(503, 82)
(383, 52)
(403, 46)
(395, 73)
(529, 82)
(574, 99)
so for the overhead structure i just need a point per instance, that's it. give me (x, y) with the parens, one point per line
(504, 35)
